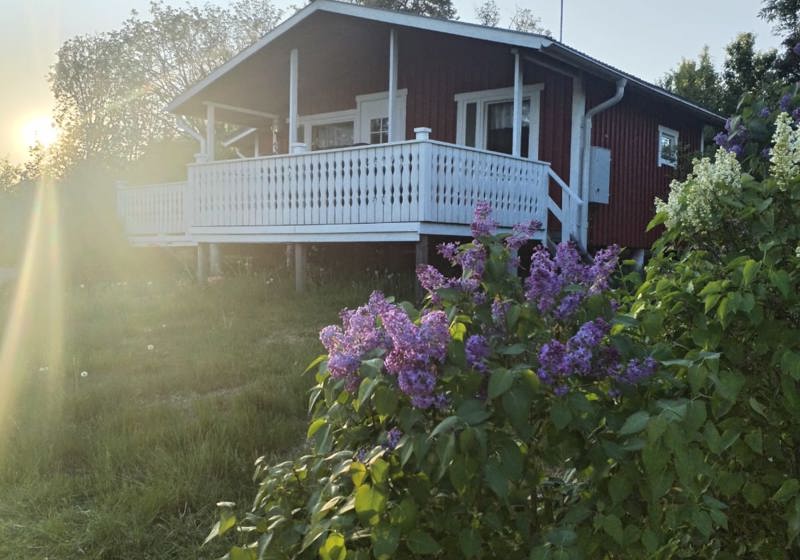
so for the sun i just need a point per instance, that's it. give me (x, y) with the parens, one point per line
(40, 130)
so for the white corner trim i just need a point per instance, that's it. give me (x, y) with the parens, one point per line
(663, 130)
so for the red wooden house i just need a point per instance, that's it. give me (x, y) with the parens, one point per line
(358, 124)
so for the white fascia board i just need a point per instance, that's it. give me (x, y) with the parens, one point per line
(470, 30)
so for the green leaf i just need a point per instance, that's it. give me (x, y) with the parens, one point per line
(500, 381)
(370, 503)
(788, 490)
(227, 519)
(449, 423)
(513, 350)
(511, 459)
(420, 542)
(497, 480)
(516, 404)
(702, 522)
(729, 384)
(315, 426)
(473, 412)
(749, 271)
(378, 471)
(619, 487)
(239, 553)
(385, 401)
(560, 414)
(562, 537)
(613, 526)
(333, 548)
(469, 540)
(754, 493)
(755, 441)
(790, 364)
(657, 220)
(781, 280)
(635, 423)
(385, 540)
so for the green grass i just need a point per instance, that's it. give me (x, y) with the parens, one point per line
(129, 461)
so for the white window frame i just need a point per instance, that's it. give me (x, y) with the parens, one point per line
(664, 130)
(351, 115)
(483, 99)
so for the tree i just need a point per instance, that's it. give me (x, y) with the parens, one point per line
(433, 8)
(696, 80)
(746, 71)
(524, 20)
(111, 88)
(488, 13)
(785, 17)
(10, 175)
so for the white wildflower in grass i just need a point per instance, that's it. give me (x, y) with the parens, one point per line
(150, 347)
(785, 153)
(84, 374)
(695, 205)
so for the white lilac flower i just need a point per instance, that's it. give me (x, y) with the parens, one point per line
(785, 153)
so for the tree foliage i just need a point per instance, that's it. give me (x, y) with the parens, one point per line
(433, 8)
(696, 80)
(111, 88)
(488, 13)
(523, 19)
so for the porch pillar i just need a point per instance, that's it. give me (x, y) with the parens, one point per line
(299, 267)
(202, 263)
(293, 63)
(516, 145)
(257, 146)
(211, 124)
(392, 84)
(214, 259)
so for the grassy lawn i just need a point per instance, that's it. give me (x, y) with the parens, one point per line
(185, 387)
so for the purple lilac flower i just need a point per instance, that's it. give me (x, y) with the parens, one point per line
(482, 223)
(589, 334)
(796, 49)
(441, 401)
(479, 298)
(785, 102)
(448, 251)
(568, 306)
(737, 150)
(568, 261)
(721, 139)
(796, 115)
(766, 152)
(499, 311)
(559, 361)
(430, 278)
(638, 370)
(603, 266)
(764, 113)
(521, 234)
(477, 351)
(473, 260)
(543, 284)
(393, 438)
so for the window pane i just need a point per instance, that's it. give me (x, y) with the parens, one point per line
(500, 126)
(379, 130)
(301, 133)
(472, 112)
(328, 136)
(669, 147)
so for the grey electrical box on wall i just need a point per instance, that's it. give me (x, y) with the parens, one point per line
(599, 174)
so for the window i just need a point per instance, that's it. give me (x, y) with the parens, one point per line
(379, 130)
(485, 120)
(667, 146)
(333, 135)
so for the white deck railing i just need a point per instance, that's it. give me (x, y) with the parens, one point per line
(418, 181)
(154, 210)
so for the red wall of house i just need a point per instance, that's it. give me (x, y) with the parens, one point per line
(630, 131)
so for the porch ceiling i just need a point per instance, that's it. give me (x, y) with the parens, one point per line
(332, 48)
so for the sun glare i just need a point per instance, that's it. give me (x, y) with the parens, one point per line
(40, 130)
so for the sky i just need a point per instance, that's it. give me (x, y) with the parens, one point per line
(643, 37)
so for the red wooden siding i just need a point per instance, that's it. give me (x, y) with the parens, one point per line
(630, 131)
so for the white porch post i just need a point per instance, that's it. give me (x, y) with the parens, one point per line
(293, 62)
(211, 124)
(516, 145)
(392, 83)
(257, 147)
(571, 212)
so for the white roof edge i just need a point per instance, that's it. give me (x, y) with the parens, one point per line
(505, 36)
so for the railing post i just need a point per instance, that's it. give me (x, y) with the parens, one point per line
(423, 134)
(121, 210)
(299, 148)
(188, 201)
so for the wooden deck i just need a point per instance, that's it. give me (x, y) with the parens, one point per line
(386, 192)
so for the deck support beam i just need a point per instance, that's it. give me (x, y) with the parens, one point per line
(391, 133)
(299, 267)
(214, 259)
(516, 144)
(421, 253)
(293, 78)
(202, 263)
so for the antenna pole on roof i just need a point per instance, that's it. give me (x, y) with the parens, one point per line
(561, 24)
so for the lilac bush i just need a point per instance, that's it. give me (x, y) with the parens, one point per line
(471, 408)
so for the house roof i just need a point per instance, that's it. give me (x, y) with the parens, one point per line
(532, 41)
